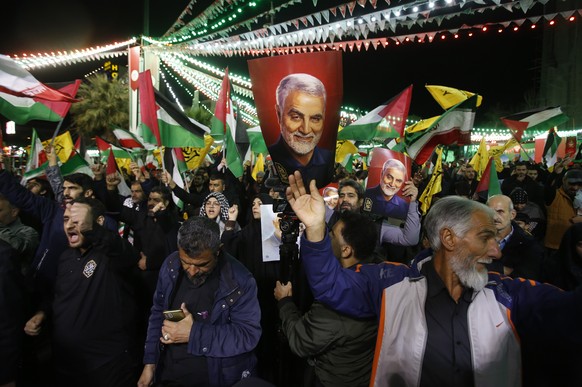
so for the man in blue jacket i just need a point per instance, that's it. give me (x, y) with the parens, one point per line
(213, 344)
(444, 321)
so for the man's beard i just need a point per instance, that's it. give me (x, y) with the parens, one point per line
(388, 191)
(298, 147)
(199, 279)
(468, 273)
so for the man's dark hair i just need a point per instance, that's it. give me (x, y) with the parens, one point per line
(217, 177)
(81, 179)
(521, 163)
(44, 186)
(97, 208)
(360, 232)
(165, 193)
(351, 183)
(198, 234)
(532, 167)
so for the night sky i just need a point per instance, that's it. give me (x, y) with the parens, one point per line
(500, 66)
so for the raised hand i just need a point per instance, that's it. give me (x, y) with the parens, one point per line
(309, 207)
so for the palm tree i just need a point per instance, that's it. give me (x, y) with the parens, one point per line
(103, 105)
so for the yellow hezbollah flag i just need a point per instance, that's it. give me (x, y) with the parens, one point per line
(63, 146)
(259, 166)
(480, 159)
(497, 151)
(434, 185)
(343, 149)
(195, 156)
(448, 96)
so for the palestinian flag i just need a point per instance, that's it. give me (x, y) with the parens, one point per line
(15, 80)
(453, 126)
(224, 126)
(386, 121)
(112, 168)
(175, 163)
(489, 181)
(448, 97)
(551, 147)
(148, 109)
(538, 120)
(24, 109)
(176, 129)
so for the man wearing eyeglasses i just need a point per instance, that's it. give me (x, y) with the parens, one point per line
(213, 344)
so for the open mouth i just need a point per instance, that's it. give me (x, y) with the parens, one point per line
(73, 237)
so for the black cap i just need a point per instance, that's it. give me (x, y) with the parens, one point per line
(573, 176)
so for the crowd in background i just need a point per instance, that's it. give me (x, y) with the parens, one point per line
(538, 221)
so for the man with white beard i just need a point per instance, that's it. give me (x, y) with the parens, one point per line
(300, 110)
(383, 199)
(444, 321)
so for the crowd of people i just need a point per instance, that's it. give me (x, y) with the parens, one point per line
(100, 289)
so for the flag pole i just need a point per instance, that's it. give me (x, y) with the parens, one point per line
(519, 143)
(57, 131)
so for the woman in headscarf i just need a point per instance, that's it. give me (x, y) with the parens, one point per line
(246, 246)
(215, 207)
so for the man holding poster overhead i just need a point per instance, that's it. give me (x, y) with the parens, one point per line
(301, 112)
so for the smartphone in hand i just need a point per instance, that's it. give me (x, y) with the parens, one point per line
(174, 315)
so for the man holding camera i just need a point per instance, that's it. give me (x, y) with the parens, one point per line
(214, 297)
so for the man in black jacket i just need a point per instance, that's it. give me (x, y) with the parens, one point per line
(93, 308)
(521, 252)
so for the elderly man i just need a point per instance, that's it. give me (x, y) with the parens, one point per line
(301, 113)
(444, 321)
(521, 254)
(212, 345)
(383, 199)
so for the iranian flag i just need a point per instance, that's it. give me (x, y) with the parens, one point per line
(127, 139)
(489, 180)
(36, 156)
(76, 164)
(224, 126)
(386, 121)
(24, 109)
(15, 80)
(453, 126)
(534, 120)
